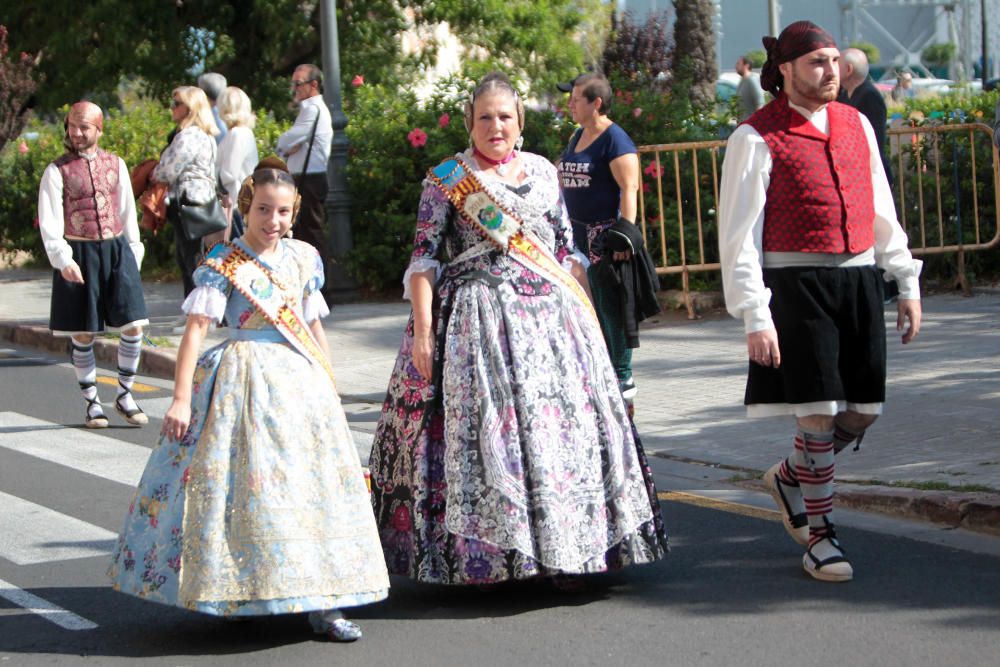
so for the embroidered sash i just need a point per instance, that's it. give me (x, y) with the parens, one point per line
(500, 227)
(272, 299)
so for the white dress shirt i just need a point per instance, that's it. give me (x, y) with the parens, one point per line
(746, 174)
(51, 223)
(298, 135)
(237, 158)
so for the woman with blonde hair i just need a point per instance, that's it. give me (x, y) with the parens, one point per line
(237, 154)
(187, 166)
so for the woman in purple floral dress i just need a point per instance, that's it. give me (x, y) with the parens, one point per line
(504, 450)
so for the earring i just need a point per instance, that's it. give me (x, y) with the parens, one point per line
(519, 143)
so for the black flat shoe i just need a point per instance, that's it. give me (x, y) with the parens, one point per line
(134, 417)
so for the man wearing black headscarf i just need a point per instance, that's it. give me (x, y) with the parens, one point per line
(805, 215)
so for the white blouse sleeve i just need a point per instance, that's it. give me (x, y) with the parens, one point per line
(746, 173)
(891, 250)
(315, 308)
(127, 213)
(576, 257)
(50, 219)
(207, 301)
(419, 266)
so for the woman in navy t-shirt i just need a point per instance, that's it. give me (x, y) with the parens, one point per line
(599, 173)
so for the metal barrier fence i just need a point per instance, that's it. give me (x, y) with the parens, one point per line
(940, 174)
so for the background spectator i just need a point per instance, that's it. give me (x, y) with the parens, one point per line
(187, 166)
(213, 84)
(903, 89)
(237, 153)
(750, 93)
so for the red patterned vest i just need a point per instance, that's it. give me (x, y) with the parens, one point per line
(820, 196)
(90, 195)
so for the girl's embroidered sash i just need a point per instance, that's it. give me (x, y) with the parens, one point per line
(500, 227)
(272, 299)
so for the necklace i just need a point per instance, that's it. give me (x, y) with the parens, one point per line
(501, 165)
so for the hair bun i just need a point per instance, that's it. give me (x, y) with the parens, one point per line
(272, 162)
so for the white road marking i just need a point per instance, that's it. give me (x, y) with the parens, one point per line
(44, 608)
(31, 533)
(155, 408)
(75, 448)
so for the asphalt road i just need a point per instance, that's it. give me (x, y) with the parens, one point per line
(732, 592)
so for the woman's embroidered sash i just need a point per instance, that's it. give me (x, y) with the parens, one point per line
(271, 299)
(500, 227)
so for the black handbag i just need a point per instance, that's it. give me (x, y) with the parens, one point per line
(198, 220)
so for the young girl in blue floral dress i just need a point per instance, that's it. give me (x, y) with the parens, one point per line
(255, 502)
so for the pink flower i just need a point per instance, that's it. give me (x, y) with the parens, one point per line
(444, 120)
(653, 170)
(636, 112)
(417, 137)
(645, 188)
(22, 148)
(358, 81)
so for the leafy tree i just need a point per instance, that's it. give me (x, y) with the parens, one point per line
(86, 48)
(532, 41)
(938, 55)
(693, 61)
(638, 54)
(757, 58)
(257, 44)
(870, 50)
(16, 88)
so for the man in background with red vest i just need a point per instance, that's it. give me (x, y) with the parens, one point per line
(86, 215)
(805, 217)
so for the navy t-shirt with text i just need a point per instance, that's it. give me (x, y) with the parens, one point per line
(589, 188)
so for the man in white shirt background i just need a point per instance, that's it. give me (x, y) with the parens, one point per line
(306, 147)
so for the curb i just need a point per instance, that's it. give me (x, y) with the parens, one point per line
(153, 362)
(973, 511)
(979, 511)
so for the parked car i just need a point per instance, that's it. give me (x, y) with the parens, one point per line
(726, 85)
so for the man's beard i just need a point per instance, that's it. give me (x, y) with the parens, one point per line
(821, 94)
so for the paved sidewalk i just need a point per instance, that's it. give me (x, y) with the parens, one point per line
(940, 426)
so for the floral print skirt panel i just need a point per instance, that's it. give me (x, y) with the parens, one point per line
(519, 459)
(262, 507)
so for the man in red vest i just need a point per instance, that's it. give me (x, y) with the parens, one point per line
(805, 217)
(86, 215)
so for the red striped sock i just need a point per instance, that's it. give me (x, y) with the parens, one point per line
(814, 470)
(843, 437)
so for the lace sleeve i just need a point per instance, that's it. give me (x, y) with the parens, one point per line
(207, 301)
(419, 265)
(314, 308)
